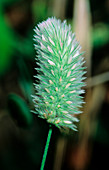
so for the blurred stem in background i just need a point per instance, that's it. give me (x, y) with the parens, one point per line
(82, 27)
(59, 8)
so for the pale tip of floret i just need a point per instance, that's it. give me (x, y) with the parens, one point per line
(59, 105)
(51, 41)
(65, 112)
(67, 85)
(72, 79)
(56, 89)
(45, 115)
(72, 48)
(52, 72)
(51, 113)
(67, 122)
(57, 121)
(52, 97)
(68, 102)
(46, 103)
(51, 63)
(60, 79)
(61, 44)
(73, 66)
(63, 95)
(69, 40)
(43, 38)
(49, 49)
(73, 91)
(76, 54)
(50, 82)
(68, 73)
(42, 46)
(70, 59)
(47, 90)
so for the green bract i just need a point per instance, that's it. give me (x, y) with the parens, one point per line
(57, 97)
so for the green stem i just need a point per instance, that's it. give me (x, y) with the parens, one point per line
(46, 149)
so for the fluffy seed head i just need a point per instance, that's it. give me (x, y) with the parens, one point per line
(58, 94)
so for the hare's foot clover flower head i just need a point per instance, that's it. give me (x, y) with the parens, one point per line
(58, 96)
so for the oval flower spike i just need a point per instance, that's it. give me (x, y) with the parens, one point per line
(61, 70)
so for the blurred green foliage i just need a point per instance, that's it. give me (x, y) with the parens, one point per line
(40, 10)
(6, 51)
(25, 80)
(100, 35)
(19, 110)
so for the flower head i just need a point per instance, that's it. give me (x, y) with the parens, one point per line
(58, 96)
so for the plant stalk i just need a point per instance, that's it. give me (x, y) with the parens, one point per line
(46, 149)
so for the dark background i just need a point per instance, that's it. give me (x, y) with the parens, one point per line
(23, 134)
